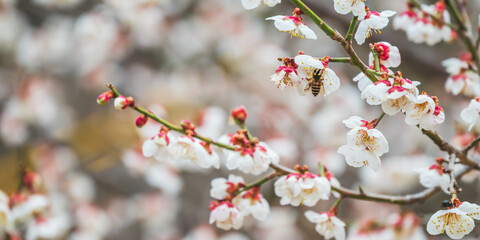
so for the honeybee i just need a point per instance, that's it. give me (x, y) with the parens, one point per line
(316, 83)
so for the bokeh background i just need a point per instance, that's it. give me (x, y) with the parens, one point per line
(196, 60)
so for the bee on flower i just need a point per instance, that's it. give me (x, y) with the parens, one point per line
(365, 144)
(456, 221)
(293, 25)
(317, 77)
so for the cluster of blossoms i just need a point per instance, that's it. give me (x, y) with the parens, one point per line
(234, 200)
(397, 94)
(250, 156)
(230, 208)
(430, 25)
(462, 79)
(394, 226)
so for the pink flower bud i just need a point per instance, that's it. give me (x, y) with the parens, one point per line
(239, 114)
(104, 98)
(122, 102)
(32, 181)
(141, 120)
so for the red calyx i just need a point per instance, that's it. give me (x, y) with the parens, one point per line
(141, 120)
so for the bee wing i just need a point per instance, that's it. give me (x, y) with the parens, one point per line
(303, 88)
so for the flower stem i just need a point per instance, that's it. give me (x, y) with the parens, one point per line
(341, 60)
(259, 182)
(351, 29)
(376, 61)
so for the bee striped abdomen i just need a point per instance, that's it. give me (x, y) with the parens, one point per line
(316, 87)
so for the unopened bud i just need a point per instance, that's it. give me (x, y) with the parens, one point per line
(122, 102)
(239, 115)
(141, 120)
(104, 98)
(188, 127)
(32, 181)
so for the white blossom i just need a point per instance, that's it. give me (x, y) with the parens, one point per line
(434, 177)
(254, 160)
(222, 187)
(252, 202)
(307, 66)
(365, 145)
(388, 55)
(294, 26)
(157, 147)
(357, 7)
(251, 4)
(373, 21)
(327, 225)
(454, 222)
(226, 216)
(306, 189)
(424, 112)
(470, 114)
(187, 148)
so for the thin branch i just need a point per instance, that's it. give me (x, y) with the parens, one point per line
(169, 125)
(341, 60)
(446, 147)
(376, 61)
(259, 182)
(351, 29)
(471, 145)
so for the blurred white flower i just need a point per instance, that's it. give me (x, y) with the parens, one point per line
(226, 216)
(222, 187)
(306, 189)
(357, 7)
(327, 225)
(187, 148)
(165, 179)
(251, 4)
(470, 114)
(293, 25)
(434, 176)
(252, 202)
(24, 207)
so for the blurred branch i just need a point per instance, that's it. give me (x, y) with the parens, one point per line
(258, 183)
(169, 125)
(446, 147)
(471, 145)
